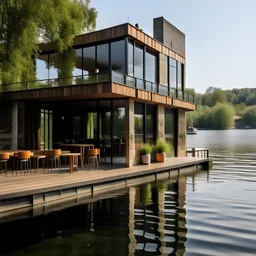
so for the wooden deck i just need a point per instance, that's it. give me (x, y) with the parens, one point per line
(41, 188)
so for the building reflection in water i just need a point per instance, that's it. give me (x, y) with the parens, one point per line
(146, 220)
(157, 218)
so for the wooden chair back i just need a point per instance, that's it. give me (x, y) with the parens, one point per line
(4, 156)
(92, 152)
(53, 152)
(23, 155)
(98, 151)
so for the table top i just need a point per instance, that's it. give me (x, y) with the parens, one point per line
(77, 145)
(70, 154)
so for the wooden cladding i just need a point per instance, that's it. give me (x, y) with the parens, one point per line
(116, 32)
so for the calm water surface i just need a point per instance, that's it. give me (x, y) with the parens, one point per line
(209, 213)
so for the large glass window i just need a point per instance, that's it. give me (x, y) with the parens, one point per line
(41, 67)
(150, 124)
(103, 57)
(180, 76)
(118, 56)
(173, 73)
(119, 131)
(138, 61)
(151, 66)
(139, 122)
(164, 77)
(89, 60)
(170, 128)
(130, 59)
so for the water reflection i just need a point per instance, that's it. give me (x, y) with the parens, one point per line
(154, 213)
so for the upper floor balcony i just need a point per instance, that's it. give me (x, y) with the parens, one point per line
(108, 81)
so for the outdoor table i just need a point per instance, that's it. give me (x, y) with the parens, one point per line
(81, 148)
(72, 161)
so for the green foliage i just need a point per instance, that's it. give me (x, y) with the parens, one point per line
(23, 24)
(145, 149)
(161, 146)
(161, 186)
(218, 96)
(146, 195)
(249, 117)
(222, 116)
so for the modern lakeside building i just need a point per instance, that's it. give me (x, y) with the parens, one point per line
(116, 88)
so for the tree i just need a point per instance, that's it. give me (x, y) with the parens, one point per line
(251, 99)
(218, 96)
(24, 23)
(222, 116)
(249, 117)
(231, 97)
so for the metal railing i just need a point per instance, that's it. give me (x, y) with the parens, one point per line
(102, 77)
(151, 86)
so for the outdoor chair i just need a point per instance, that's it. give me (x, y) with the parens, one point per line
(93, 158)
(23, 161)
(54, 158)
(3, 161)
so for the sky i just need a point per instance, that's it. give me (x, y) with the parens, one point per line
(220, 35)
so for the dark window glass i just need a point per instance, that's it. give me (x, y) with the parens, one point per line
(77, 71)
(118, 56)
(165, 71)
(180, 76)
(170, 131)
(173, 73)
(138, 62)
(138, 122)
(89, 60)
(130, 58)
(150, 124)
(103, 57)
(151, 67)
(119, 131)
(41, 67)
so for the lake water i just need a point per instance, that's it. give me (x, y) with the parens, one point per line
(209, 213)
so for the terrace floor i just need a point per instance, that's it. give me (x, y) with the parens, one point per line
(35, 183)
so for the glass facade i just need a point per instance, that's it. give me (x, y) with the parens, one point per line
(138, 62)
(180, 77)
(170, 128)
(151, 67)
(103, 57)
(139, 122)
(89, 60)
(150, 124)
(144, 123)
(118, 56)
(172, 73)
(130, 58)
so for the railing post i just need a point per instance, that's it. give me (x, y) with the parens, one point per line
(193, 152)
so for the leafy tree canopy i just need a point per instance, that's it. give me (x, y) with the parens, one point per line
(26, 23)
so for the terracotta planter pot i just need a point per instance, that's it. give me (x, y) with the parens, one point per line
(146, 159)
(161, 157)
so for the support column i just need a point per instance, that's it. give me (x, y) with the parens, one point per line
(129, 132)
(181, 150)
(160, 122)
(15, 125)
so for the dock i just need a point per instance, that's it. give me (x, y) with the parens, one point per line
(21, 191)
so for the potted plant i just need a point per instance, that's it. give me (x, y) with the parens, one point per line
(161, 148)
(145, 151)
